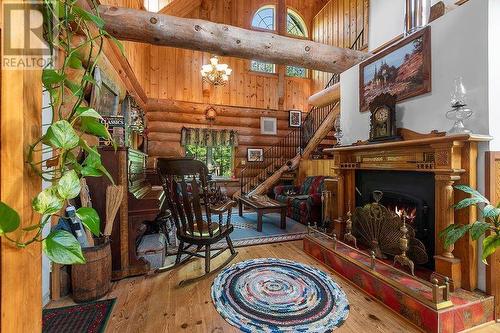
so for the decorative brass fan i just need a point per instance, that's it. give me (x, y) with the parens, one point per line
(379, 229)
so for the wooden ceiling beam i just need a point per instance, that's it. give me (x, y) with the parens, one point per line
(159, 29)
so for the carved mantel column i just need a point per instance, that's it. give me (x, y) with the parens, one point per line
(341, 193)
(446, 263)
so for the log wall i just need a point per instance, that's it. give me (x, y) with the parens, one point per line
(178, 97)
(338, 23)
(166, 119)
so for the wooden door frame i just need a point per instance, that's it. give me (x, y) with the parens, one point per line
(20, 124)
(492, 189)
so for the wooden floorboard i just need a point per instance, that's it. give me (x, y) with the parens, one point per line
(157, 304)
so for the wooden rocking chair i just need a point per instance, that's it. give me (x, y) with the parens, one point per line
(188, 199)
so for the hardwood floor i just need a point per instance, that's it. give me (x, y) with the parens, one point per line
(157, 304)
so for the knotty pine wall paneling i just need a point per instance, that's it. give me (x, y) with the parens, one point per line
(171, 76)
(338, 23)
(20, 125)
(137, 54)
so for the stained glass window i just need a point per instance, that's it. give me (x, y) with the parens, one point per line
(295, 25)
(295, 71)
(264, 67)
(264, 18)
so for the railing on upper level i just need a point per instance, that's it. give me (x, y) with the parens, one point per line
(293, 143)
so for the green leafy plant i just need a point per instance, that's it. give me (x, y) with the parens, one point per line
(72, 122)
(489, 226)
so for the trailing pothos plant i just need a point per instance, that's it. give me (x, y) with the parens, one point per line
(64, 139)
(489, 225)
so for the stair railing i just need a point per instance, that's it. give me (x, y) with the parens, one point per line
(293, 143)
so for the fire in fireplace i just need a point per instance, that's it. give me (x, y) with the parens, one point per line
(403, 192)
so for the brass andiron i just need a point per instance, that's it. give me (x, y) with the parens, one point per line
(404, 244)
(326, 203)
(348, 236)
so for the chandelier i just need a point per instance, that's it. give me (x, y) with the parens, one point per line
(215, 73)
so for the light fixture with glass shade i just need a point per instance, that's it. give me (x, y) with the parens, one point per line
(215, 73)
(459, 111)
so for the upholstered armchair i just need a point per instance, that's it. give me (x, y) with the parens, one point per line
(304, 201)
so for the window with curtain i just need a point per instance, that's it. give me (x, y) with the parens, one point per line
(215, 148)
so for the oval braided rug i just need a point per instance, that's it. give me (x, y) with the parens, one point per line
(275, 295)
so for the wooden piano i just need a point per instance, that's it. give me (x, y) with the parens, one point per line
(142, 203)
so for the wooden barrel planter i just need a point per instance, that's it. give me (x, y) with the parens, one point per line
(92, 280)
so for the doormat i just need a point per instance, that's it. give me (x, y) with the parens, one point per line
(82, 318)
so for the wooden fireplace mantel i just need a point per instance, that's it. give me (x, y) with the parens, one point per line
(430, 154)
(452, 159)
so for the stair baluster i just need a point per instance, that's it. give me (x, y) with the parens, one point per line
(293, 143)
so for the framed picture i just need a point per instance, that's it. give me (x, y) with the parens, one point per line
(105, 94)
(268, 126)
(255, 154)
(294, 118)
(403, 69)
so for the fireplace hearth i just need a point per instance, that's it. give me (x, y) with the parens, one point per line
(419, 170)
(402, 190)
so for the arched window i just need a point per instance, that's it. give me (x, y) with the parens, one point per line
(295, 25)
(264, 18)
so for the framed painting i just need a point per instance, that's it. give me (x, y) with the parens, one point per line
(294, 118)
(268, 126)
(403, 69)
(105, 94)
(255, 154)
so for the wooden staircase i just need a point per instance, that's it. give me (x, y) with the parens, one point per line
(316, 129)
(258, 177)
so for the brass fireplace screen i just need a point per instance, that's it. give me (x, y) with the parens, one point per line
(386, 233)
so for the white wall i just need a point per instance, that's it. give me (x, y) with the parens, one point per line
(459, 48)
(46, 264)
(494, 73)
(386, 20)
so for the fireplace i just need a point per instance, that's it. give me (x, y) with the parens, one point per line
(403, 190)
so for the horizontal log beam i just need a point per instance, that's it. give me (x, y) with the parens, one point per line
(194, 34)
(188, 119)
(326, 96)
(164, 127)
(157, 107)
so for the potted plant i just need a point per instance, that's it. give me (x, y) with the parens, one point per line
(72, 122)
(488, 226)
